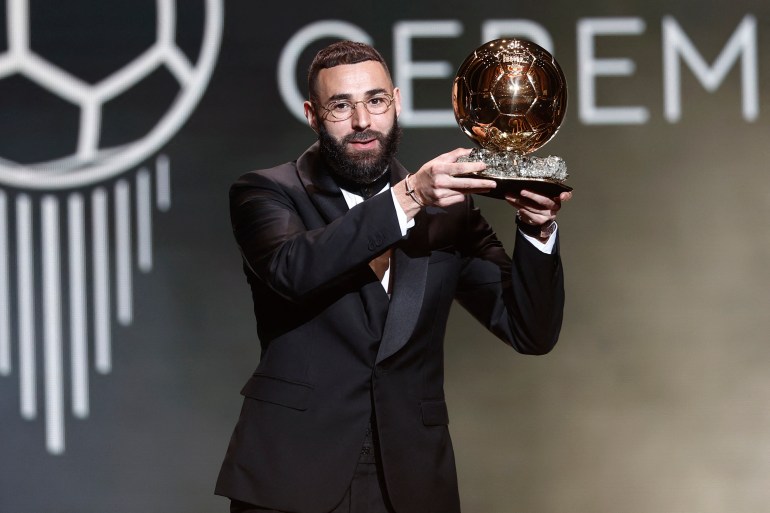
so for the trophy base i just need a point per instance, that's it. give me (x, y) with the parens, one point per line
(513, 172)
(513, 185)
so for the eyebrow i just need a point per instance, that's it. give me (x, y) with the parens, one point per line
(347, 96)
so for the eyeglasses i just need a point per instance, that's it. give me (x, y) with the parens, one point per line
(340, 110)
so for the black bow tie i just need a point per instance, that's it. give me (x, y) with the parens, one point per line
(366, 191)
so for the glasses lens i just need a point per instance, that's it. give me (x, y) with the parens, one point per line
(340, 110)
(378, 104)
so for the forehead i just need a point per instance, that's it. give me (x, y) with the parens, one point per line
(353, 80)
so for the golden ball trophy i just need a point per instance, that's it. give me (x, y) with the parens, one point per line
(510, 97)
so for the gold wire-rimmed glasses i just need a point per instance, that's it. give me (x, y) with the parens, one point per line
(340, 110)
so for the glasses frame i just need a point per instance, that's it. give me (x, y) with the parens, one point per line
(329, 114)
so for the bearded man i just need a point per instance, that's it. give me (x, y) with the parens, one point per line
(353, 264)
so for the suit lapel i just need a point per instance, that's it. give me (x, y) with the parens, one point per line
(321, 188)
(410, 271)
(410, 259)
(328, 200)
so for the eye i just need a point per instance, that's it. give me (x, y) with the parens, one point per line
(340, 106)
(377, 100)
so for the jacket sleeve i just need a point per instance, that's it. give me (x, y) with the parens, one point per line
(297, 261)
(520, 300)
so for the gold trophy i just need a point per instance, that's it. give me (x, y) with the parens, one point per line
(510, 97)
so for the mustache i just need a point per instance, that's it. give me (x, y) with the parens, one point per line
(364, 136)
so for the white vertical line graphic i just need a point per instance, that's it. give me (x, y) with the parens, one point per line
(5, 296)
(17, 12)
(26, 302)
(90, 126)
(77, 298)
(144, 221)
(123, 252)
(52, 324)
(166, 21)
(163, 182)
(101, 270)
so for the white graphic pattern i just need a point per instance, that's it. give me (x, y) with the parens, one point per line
(64, 231)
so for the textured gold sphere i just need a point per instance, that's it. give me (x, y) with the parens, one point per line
(510, 95)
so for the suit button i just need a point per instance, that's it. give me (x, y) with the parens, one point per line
(375, 242)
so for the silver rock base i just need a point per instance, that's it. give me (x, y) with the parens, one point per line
(508, 164)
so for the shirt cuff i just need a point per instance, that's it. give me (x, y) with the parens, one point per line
(545, 247)
(403, 222)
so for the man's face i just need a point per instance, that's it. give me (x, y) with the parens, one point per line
(359, 147)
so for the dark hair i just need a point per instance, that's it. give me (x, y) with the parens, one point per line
(336, 54)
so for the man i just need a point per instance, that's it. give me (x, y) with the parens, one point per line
(353, 265)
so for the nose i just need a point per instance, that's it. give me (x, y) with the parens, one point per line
(361, 118)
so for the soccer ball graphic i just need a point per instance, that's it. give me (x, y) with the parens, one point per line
(57, 118)
(89, 90)
(510, 95)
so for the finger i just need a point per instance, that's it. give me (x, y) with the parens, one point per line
(542, 215)
(447, 171)
(536, 197)
(452, 156)
(527, 217)
(547, 205)
(459, 168)
(527, 212)
(450, 200)
(464, 184)
(534, 219)
(539, 201)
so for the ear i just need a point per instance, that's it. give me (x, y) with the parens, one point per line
(397, 100)
(312, 119)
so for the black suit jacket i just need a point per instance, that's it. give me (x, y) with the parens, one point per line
(336, 351)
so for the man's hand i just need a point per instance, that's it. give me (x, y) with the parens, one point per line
(436, 183)
(536, 210)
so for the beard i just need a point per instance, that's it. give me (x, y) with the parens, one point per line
(362, 167)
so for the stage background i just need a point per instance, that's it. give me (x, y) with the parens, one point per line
(656, 398)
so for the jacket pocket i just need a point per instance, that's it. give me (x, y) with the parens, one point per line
(434, 413)
(291, 394)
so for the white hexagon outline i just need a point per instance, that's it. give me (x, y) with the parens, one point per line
(87, 165)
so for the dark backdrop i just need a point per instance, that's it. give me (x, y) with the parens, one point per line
(655, 399)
